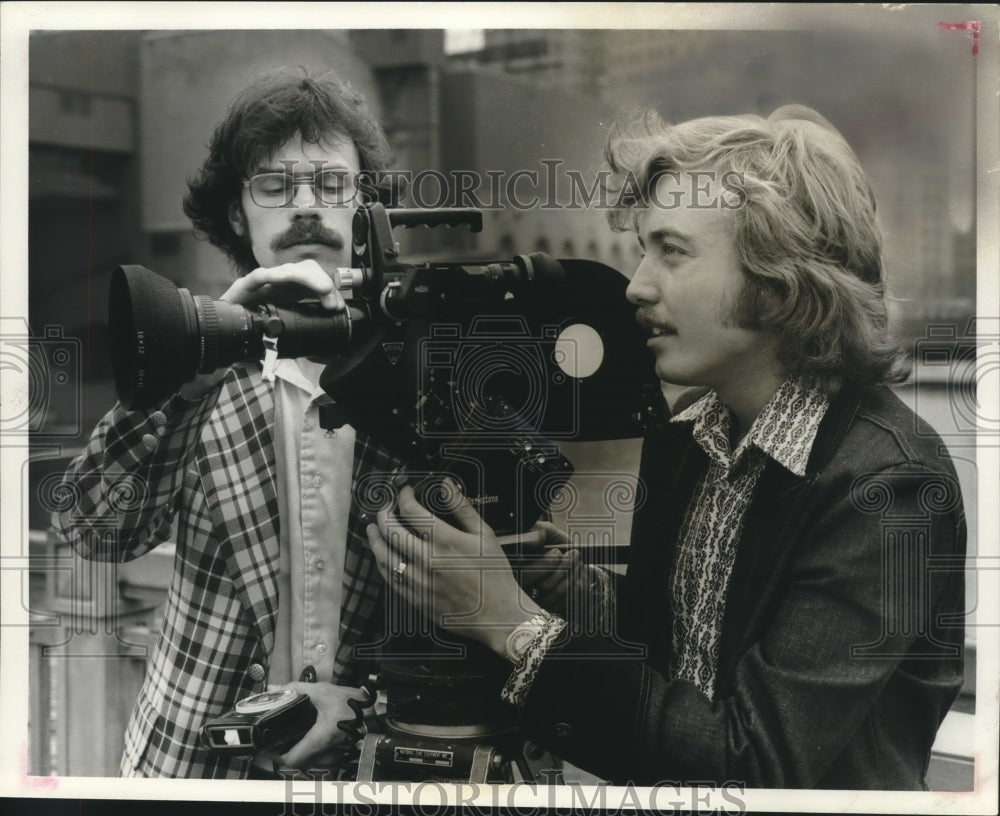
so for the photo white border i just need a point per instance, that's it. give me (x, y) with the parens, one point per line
(17, 19)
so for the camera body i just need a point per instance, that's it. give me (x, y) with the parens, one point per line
(269, 721)
(421, 347)
(498, 355)
(510, 478)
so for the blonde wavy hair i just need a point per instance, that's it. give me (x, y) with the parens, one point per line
(806, 231)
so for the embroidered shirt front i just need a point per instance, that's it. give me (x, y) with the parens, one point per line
(784, 431)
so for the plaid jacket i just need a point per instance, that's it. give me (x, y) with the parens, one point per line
(209, 467)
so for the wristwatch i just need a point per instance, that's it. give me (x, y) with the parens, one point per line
(522, 637)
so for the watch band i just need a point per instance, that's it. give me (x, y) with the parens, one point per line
(521, 636)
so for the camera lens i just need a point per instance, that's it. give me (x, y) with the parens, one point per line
(162, 336)
(153, 334)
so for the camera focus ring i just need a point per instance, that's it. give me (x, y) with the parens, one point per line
(209, 334)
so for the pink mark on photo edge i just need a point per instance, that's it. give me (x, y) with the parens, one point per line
(973, 25)
(36, 782)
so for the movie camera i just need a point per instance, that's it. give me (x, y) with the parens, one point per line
(471, 369)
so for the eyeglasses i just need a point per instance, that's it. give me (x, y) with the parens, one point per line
(331, 187)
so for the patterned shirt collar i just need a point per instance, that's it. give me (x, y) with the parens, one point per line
(784, 430)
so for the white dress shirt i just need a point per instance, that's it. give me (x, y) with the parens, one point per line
(314, 471)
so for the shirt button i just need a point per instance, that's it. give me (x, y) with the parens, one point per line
(563, 730)
(320, 565)
(317, 481)
(150, 442)
(256, 672)
(321, 649)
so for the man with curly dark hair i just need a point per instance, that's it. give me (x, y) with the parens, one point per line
(273, 582)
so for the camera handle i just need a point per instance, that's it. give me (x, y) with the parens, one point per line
(372, 231)
(348, 752)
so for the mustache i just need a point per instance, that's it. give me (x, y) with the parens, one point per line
(645, 317)
(307, 232)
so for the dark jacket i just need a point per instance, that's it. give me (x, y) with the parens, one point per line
(841, 648)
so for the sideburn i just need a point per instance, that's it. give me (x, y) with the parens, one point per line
(754, 299)
(241, 252)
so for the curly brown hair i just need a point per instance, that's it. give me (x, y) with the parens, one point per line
(263, 117)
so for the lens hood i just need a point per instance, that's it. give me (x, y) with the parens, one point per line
(152, 331)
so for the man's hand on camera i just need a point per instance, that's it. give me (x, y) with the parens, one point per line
(457, 574)
(554, 577)
(315, 749)
(288, 283)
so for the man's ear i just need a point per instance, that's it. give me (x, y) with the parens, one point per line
(237, 220)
